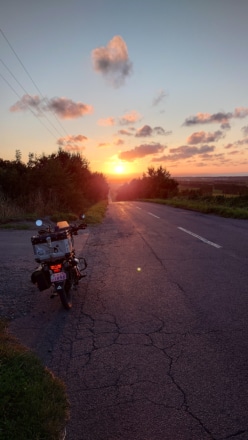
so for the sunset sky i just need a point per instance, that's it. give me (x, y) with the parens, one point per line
(128, 84)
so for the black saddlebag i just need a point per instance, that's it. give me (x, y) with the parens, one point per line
(41, 278)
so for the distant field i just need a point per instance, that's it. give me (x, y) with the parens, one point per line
(223, 196)
(233, 185)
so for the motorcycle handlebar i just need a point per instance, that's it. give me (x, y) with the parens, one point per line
(72, 228)
(83, 226)
(75, 228)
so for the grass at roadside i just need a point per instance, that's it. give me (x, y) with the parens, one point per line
(96, 213)
(221, 207)
(33, 403)
(93, 216)
(19, 226)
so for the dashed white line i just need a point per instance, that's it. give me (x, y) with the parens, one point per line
(150, 213)
(200, 238)
(217, 246)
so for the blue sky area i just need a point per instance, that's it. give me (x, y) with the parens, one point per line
(128, 85)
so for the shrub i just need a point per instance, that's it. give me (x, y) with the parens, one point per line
(33, 403)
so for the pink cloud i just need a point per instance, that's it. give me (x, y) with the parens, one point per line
(113, 61)
(184, 152)
(125, 133)
(219, 118)
(130, 118)
(240, 112)
(63, 107)
(27, 102)
(67, 109)
(72, 143)
(119, 142)
(141, 151)
(206, 118)
(202, 136)
(107, 122)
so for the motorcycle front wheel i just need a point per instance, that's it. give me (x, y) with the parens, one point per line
(65, 295)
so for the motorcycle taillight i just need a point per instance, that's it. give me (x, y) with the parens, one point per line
(56, 268)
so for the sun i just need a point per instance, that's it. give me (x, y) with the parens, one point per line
(119, 168)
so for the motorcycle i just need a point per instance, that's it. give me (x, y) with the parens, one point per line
(59, 267)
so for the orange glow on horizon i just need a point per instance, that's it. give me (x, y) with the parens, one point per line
(118, 168)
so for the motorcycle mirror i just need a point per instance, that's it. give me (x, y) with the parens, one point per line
(38, 222)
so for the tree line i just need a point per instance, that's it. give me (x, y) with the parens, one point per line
(155, 183)
(60, 182)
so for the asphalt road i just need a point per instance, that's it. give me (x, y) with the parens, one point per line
(156, 345)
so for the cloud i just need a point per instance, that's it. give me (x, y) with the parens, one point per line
(219, 118)
(141, 151)
(62, 107)
(161, 131)
(26, 102)
(216, 159)
(125, 133)
(147, 131)
(159, 97)
(130, 118)
(206, 118)
(234, 152)
(106, 122)
(113, 61)
(119, 142)
(237, 143)
(201, 136)
(243, 142)
(72, 143)
(184, 152)
(67, 109)
(144, 131)
(245, 130)
(240, 112)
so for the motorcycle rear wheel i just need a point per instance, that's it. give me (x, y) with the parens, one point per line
(65, 295)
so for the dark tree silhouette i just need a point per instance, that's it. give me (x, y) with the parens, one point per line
(59, 182)
(155, 183)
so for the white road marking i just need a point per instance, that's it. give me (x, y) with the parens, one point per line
(137, 207)
(200, 238)
(153, 215)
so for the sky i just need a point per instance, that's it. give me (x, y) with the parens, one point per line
(127, 84)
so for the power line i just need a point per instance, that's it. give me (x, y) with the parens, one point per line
(17, 94)
(13, 50)
(18, 82)
(30, 77)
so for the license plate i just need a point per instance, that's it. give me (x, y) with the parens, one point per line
(60, 276)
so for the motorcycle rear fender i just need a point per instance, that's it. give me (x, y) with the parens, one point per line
(59, 285)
